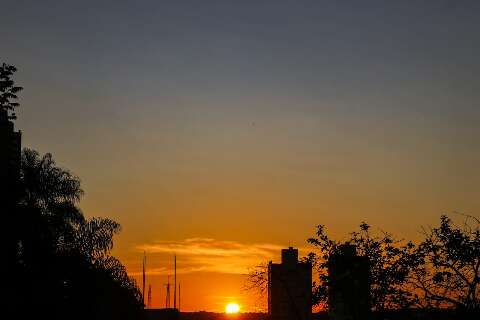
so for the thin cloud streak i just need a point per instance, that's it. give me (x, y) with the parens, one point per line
(209, 255)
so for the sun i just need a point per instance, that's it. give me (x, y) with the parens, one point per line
(232, 308)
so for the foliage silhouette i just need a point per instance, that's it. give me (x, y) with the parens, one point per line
(8, 90)
(58, 263)
(449, 275)
(257, 283)
(407, 280)
(64, 254)
(390, 263)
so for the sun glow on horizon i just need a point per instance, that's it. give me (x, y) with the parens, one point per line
(232, 308)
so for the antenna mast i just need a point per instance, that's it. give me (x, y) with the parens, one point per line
(175, 282)
(143, 277)
(167, 297)
(149, 303)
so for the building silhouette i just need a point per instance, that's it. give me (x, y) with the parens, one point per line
(10, 148)
(349, 286)
(290, 288)
(10, 153)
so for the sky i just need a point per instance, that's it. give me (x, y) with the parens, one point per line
(223, 131)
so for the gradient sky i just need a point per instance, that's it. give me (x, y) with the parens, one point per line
(225, 130)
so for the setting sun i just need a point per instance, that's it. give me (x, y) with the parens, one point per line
(232, 308)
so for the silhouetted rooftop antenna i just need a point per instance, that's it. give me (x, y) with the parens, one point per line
(179, 296)
(175, 281)
(149, 299)
(167, 296)
(143, 276)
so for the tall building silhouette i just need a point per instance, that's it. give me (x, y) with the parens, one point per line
(290, 288)
(10, 148)
(349, 287)
(10, 152)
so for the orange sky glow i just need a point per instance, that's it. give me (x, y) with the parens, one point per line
(223, 131)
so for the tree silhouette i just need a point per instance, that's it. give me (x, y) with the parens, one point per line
(257, 282)
(8, 90)
(390, 263)
(58, 263)
(449, 275)
(65, 254)
(94, 238)
(257, 279)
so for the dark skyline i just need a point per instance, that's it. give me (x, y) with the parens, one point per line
(263, 111)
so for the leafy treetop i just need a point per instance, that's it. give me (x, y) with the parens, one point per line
(8, 90)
